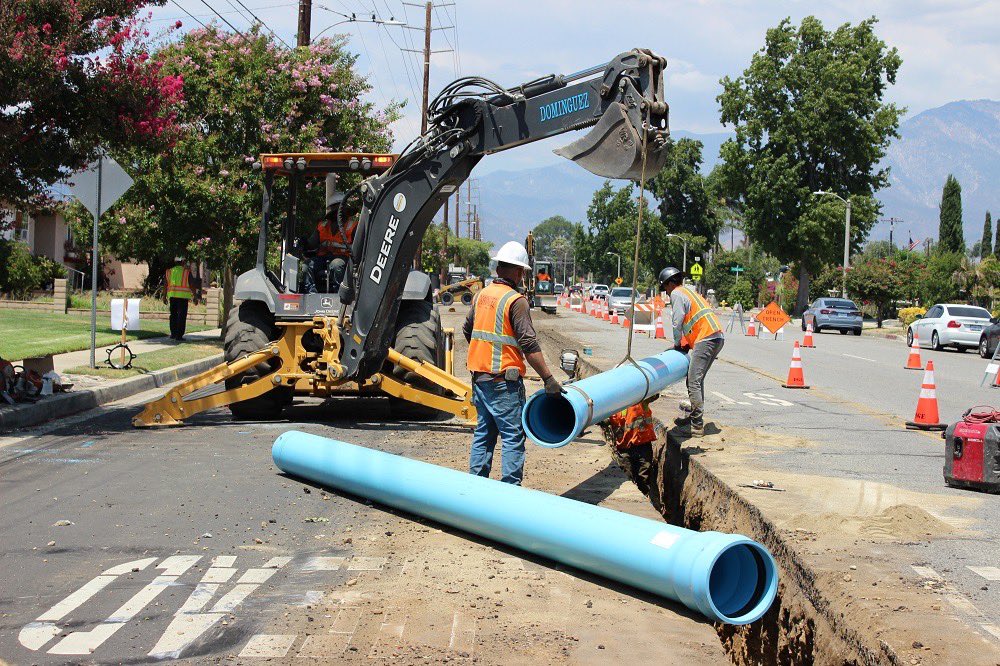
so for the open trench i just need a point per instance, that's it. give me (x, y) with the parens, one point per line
(802, 626)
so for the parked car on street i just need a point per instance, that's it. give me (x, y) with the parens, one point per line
(836, 313)
(599, 291)
(620, 300)
(560, 288)
(990, 338)
(950, 325)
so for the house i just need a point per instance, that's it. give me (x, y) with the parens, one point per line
(48, 235)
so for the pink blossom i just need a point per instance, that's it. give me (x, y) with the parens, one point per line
(223, 173)
(178, 25)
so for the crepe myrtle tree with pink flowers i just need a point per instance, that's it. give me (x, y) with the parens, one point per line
(243, 96)
(76, 76)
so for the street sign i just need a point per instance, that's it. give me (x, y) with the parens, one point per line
(737, 270)
(696, 272)
(98, 187)
(773, 317)
(618, 281)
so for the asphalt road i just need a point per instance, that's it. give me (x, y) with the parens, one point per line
(189, 543)
(852, 417)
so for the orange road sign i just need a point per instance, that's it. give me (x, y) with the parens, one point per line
(772, 317)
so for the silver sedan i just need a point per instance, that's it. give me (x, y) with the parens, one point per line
(949, 325)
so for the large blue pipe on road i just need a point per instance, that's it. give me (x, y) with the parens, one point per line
(556, 420)
(726, 577)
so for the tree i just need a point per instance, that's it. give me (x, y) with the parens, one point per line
(547, 231)
(611, 219)
(75, 76)
(986, 245)
(686, 205)
(937, 280)
(951, 237)
(244, 95)
(809, 115)
(875, 281)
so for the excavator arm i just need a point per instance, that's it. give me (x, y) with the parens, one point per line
(622, 101)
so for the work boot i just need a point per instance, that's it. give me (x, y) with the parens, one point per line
(689, 427)
(682, 421)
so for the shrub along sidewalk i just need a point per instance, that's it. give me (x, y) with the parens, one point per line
(26, 333)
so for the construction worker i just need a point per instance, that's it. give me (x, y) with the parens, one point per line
(632, 432)
(501, 337)
(543, 276)
(331, 248)
(697, 332)
(178, 293)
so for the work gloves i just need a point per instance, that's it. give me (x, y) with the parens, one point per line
(552, 386)
(682, 349)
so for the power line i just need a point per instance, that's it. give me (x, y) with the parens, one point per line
(233, 27)
(273, 33)
(190, 14)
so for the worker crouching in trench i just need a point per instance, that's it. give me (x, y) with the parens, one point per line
(632, 434)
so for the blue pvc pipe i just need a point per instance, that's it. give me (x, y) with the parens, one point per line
(556, 420)
(726, 577)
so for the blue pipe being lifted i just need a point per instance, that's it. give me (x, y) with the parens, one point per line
(556, 420)
(726, 577)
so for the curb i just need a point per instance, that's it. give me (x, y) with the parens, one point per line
(67, 404)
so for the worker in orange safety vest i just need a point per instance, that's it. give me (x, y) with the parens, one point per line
(178, 292)
(330, 248)
(632, 432)
(501, 339)
(697, 332)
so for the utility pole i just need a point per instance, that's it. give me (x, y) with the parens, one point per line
(305, 23)
(458, 216)
(468, 210)
(427, 63)
(892, 223)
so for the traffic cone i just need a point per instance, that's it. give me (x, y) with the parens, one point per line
(807, 341)
(795, 377)
(625, 322)
(996, 380)
(607, 317)
(752, 329)
(913, 361)
(614, 318)
(927, 416)
(660, 333)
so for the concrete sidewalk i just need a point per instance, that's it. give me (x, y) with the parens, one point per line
(62, 362)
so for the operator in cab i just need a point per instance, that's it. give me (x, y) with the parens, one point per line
(328, 249)
(698, 334)
(501, 338)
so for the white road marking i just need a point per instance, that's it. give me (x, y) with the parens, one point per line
(347, 621)
(989, 573)
(218, 575)
(324, 647)
(463, 633)
(366, 564)
(957, 599)
(860, 357)
(233, 598)
(768, 399)
(323, 563)
(268, 646)
(257, 576)
(223, 560)
(725, 398)
(127, 567)
(391, 628)
(277, 562)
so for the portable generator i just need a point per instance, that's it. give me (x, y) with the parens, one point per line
(972, 452)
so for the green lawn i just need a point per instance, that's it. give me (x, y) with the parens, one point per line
(25, 333)
(157, 360)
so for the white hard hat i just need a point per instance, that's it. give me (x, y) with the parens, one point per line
(514, 253)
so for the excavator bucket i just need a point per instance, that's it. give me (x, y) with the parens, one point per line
(613, 148)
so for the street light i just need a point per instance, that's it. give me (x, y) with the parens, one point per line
(619, 262)
(847, 236)
(684, 267)
(352, 18)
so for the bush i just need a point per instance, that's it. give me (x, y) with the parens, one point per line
(48, 271)
(907, 316)
(19, 273)
(742, 292)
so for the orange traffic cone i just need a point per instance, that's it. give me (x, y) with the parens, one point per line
(625, 322)
(795, 377)
(604, 307)
(927, 416)
(913, 361)
(752, 329)
(614, 318)
(660, 333)
(807, 341)
(996, 380)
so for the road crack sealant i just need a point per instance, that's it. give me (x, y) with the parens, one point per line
(803, 625)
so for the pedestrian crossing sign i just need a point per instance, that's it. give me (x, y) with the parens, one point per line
(696, 272)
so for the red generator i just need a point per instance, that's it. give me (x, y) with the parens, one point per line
(972, 456)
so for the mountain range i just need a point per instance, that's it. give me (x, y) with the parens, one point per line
(961, 138)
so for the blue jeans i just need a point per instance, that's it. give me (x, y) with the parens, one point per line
(499, 405)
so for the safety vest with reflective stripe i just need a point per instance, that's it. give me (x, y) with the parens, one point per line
(179, 282)
(330, 240)
(700, 321)
(493, 347)
(636, 424)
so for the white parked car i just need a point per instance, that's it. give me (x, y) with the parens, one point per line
(599, 291)
(949, 325)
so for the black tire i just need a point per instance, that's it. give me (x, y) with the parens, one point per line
(251, 327)
(418, 336)
(960, 349)
(935, 341)
(984, 347)
(843, 331)
(447, 298)
(909, 337)
(803, 324)
(466, 298)
(857, 331)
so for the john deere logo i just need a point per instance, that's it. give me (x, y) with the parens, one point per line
(326, 302)
(399, 202)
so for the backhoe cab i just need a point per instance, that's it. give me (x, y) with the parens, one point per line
(380, 329)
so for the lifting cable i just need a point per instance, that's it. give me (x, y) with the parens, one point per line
(638, 239)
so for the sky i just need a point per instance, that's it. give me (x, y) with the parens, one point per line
(950, 48)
